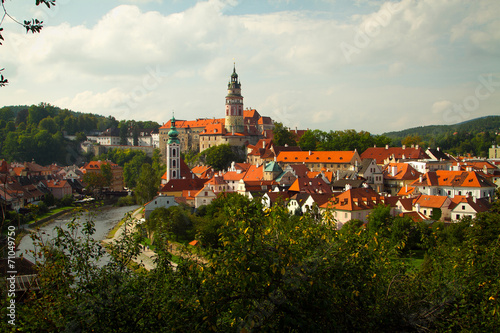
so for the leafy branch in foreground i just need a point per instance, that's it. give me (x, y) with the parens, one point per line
(33, 25)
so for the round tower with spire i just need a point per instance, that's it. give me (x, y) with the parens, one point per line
(173, 152)
(234, 105)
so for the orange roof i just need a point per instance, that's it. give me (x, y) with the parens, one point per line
(431, 201)
(380, 154)
(453, 179)
(233, 176)
(404, 171)
(214, 129)
(355, 199)
(316, 156)
(250, 113)
(308, 185)
(96, 165)
(199, 169)
(479, 205)
(216, 180)
(415, 216)
(254, 173)
(406, 190)
(57, 183)
(314, 174)
(198, 123)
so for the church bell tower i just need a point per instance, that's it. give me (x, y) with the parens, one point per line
(173, 153)
(234, 105)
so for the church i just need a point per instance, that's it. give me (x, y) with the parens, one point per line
(239, 127)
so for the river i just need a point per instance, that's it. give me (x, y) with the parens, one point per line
(105, 219)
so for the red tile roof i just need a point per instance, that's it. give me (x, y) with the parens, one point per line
(380, 154)
(454, 179)
(308, 185)
(316, 156)
(198, 123)
(431, 201)
(479, 205)
(355, 199)
(404, 171)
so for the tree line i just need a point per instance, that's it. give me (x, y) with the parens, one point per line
(473, 137)
(267, 270)
(36, 132)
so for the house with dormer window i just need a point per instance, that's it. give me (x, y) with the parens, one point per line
(455, 183)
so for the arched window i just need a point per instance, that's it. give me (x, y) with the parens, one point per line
(174, 163)
(174, 174)
(174, 152)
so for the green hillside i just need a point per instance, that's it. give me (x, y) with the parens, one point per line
(473, 137)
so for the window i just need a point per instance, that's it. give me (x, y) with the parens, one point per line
(457, 217)
(463, 207)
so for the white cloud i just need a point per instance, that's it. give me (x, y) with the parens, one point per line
(412, 58)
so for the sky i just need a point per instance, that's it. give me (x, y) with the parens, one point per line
(369, 65)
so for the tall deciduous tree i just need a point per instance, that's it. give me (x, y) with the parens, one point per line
(282, 135)
(147, 184)
(219, 157)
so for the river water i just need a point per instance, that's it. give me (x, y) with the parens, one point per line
(105, 219)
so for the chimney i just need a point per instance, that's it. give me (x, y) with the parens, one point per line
(420, 178)
(416, 146)
(386, 146)
(404, 146)
(310, 153)
(394, 170)
(263, 144)
(437, 148)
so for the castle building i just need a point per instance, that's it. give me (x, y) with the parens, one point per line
(239, 127)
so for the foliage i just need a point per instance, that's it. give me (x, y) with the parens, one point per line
(173, 222)
(129, 200)
(220, 157)
(341, 140)
(147, 184)
(31, 25)
(98, 180)
(473, 137)
(273, 272)
(283, 136)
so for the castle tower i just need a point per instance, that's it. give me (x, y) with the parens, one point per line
(234, 105)
(173, 153)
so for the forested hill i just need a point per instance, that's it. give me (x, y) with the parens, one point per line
(489, 123)
(473, 137)
(36, 132)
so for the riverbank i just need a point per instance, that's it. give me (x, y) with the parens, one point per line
(146, 256)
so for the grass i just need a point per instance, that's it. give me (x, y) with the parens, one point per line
(113, 231)
(50, 213)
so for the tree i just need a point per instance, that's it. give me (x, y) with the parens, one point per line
(147, 184)
(308, 141)
(49, 125)
(282, 135)
(107, 174)
(219, 157)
